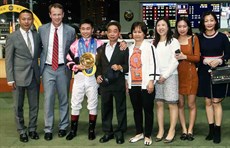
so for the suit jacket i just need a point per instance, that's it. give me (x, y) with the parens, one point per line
(118, 57)
(20, 65)
(69, 37)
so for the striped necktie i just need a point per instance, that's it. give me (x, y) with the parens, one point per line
(29, 43)
(55, 51)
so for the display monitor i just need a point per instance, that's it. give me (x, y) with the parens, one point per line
(151, 12)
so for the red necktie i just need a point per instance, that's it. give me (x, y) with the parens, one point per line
(86, 43)
(55, 51)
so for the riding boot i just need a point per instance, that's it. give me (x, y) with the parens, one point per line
(92, 124)
(74, 125)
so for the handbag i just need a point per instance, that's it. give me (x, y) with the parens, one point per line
(220, 75)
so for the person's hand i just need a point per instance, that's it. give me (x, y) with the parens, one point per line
(116, 67)
(150, 87)
(214, 63)
(81, 67)
(99, 79)
(123, 45)
(180, 56)
(161, 80)
(12, 85)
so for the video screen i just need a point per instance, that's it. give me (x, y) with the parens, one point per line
(153, 11)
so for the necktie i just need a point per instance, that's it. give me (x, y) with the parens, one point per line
(86, 43)
(55, 51)
(29, 43)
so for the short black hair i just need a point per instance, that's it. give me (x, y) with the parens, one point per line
(115, 23)
(86, 21)
(142, 25)
(26, 11)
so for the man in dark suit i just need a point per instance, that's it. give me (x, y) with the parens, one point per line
(56, 39)
(112, 64)
(22, 72)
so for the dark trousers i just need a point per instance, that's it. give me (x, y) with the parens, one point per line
(142, 100)
(107, 111)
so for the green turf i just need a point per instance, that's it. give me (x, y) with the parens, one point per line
(10, 138)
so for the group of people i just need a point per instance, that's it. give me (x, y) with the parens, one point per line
(161, 71)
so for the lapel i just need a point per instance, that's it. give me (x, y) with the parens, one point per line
(46, 36)
(64, 39)
(115, 52)
(20, 39)
(35, 43)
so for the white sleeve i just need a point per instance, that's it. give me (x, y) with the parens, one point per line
(174, 45)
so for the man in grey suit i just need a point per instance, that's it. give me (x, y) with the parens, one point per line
(56, 39)
(22, 71)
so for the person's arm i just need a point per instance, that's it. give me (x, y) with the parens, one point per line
(226, 45)
(195, 57)
(174, 45)
(9, 59)
(98, 64)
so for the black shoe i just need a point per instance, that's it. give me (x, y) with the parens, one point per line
(209, 137)
(184, 136)
(48, 136)
(158, 139)
(211, 131)
(23, 137)
(71, 135)
(217, 134)
(190, 137)
(61, 133)
(91, 135)
(120, 139)
(106, 138)
(33, 135)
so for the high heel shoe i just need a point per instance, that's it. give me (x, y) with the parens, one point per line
(169, 140)
(158, 139)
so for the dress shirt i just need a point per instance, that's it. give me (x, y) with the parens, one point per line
(109, 50)
(60, 45)
(24, 34)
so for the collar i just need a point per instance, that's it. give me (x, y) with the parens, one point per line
(59, 27)
(88, 39)
(23, 31)
(108, 45)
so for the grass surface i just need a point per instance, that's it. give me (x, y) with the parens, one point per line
(10, 138)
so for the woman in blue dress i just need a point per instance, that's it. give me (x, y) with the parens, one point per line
(215, 51)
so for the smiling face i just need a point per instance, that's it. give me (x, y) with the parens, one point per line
(162, 28)
(113, 33)
(56, 15)
(182, 28)
(138, 34)
(26, 21)
(86, 30)
(209, 23)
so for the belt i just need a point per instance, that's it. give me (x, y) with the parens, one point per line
(58, 64)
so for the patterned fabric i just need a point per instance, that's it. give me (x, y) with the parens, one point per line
(55, 51)
(136, 67)
(168, 91)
